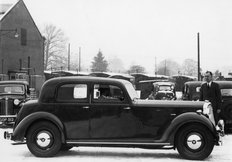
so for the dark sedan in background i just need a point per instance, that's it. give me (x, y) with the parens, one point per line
(12, 94)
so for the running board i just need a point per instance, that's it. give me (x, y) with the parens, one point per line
(116, 143)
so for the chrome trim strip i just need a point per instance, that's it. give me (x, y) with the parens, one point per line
(115, 143)
(8, 116)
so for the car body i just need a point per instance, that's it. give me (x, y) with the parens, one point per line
(95, 111)
(191, 91)
(163, 90)
(12, 94)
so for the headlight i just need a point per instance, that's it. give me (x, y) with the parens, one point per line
(16, 101)
(207, 108)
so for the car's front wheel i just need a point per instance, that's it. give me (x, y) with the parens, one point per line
(194, 142)
(43, 139)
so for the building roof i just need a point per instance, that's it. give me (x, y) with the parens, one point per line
(6, 6)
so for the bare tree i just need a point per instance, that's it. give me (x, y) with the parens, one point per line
(116, 65)
(189, 67)
(168, 67)
(54, 47)
(137, 69)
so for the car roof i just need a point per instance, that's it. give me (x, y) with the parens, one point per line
(164, 83)
(58, 80)
(222, 83)
(14, 82)
(49, 87)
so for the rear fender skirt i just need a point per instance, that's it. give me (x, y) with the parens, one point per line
(21, 129)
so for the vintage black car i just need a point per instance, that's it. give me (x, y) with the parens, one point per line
(12, 94)
(93, 111)
(164, 91)
(191, 91)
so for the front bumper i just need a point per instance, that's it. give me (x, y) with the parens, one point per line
(8, 135)
(220, 131)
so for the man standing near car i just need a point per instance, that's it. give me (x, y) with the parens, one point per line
(210, 91)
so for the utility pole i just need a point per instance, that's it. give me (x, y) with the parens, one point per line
(155, 66)
(79, 59)
(198, 57)
(165, 67)
(68, 56)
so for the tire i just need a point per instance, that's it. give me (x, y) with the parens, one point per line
(43, 139)
(65, 147)
(194, 142)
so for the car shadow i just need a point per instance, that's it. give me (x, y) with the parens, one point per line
(116, 154)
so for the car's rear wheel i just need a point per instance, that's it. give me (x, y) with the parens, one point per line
(194, 142)
(43, 139)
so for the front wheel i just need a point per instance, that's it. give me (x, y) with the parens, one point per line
(43, 139)
(194, 142)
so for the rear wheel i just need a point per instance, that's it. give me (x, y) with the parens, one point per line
(194, 142)
(43, 139)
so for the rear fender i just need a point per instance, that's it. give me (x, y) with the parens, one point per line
(21, 129)
(185, 119)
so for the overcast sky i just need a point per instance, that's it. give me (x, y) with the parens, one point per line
(138, 31)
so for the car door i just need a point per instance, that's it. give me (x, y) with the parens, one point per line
(72, 102)
(109, 113)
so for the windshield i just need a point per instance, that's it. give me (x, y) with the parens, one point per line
(226, 92)
(165, 88)
(131, 91)
(11, 89)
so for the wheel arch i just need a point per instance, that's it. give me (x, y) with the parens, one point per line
(185, 120)
(21, 129)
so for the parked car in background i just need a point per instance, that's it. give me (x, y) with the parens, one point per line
(191, 91)
(164, 90)
(12, 94)
(95, 111)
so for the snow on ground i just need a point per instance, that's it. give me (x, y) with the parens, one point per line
(20, 153)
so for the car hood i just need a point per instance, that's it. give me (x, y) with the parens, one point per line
(168, 103)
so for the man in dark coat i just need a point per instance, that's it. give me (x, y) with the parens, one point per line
(210, 92)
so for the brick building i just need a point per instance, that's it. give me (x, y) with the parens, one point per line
(21, 45)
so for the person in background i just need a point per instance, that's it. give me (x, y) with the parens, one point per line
(210, 92)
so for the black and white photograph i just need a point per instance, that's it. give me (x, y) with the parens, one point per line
(115, 80)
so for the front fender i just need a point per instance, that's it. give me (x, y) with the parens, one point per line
(184, 119)
(20, 130)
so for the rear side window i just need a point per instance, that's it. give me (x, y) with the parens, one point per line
(72, 92)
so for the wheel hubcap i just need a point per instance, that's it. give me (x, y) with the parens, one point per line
(194, 141)
(44, 139)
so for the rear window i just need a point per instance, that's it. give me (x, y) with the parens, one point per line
(72, 92)
(226, 92)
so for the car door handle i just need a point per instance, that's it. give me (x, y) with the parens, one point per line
(85, 107)
(126, 108)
